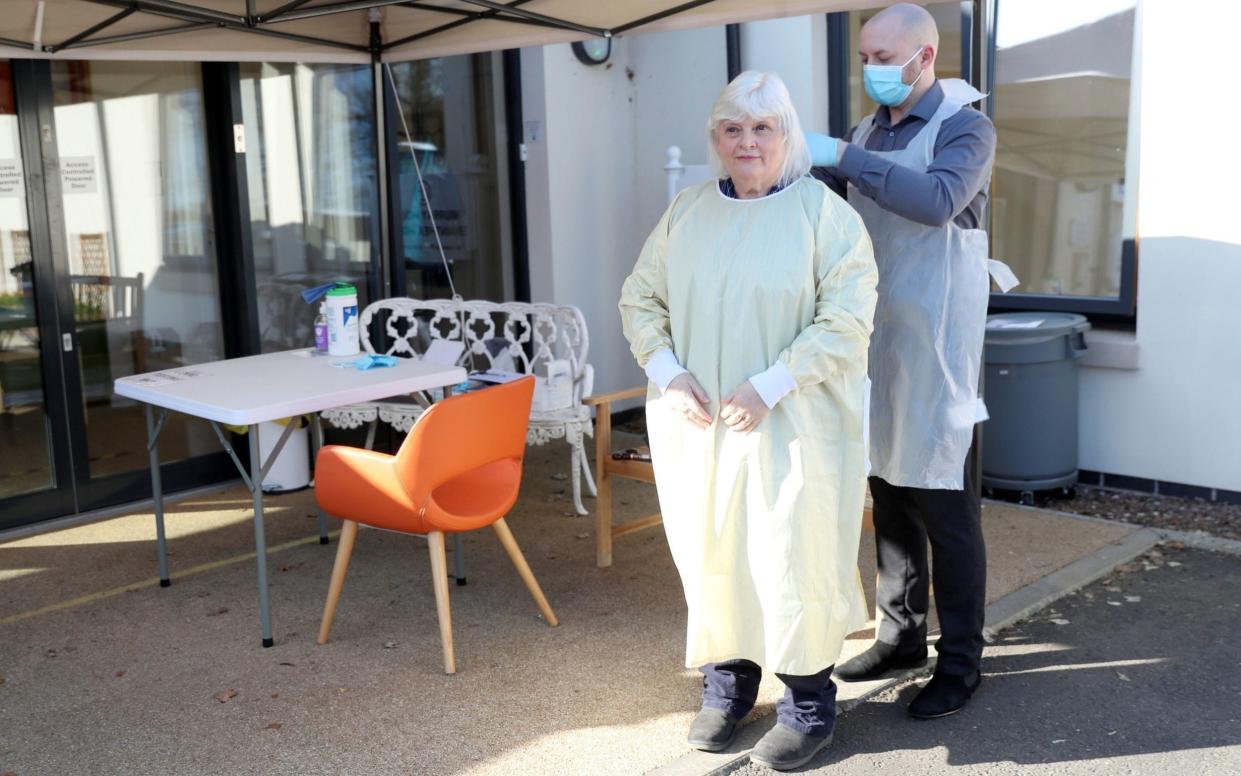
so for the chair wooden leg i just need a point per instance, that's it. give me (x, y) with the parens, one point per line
(348, 533)
(603, 522)
(523, 569)
(603, 482)
(439, 578)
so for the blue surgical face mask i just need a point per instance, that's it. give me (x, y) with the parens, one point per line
(884, 83)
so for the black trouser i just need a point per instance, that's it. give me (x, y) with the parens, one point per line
(905, 518)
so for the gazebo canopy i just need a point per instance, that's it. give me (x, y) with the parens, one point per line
(342, 30)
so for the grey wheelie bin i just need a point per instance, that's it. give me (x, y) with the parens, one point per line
(1030, 442)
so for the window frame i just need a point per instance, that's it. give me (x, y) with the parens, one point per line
(1119, 309)
(978, 51)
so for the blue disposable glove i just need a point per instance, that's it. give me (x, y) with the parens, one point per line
(824, 150)
(371, 360)
(368, 361)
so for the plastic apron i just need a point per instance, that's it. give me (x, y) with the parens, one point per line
(926, 350)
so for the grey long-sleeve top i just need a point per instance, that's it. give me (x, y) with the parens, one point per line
(954, 186)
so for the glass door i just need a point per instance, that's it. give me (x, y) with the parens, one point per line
(109, 270)
(33, 456)
(311, 170)
(450, 107)
(141, 261)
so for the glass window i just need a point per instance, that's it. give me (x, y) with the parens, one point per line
(142, 264)
(1061, 110)
(947, 60)
(314, 204)
(450, 108)
(25, 452)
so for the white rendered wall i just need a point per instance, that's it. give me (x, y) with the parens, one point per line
(580, 193)
(796, 50)
(1177, 417)
(678, 75)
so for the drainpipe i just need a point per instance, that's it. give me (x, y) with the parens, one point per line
(732, 39)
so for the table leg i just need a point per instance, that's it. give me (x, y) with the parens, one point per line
(458, 558)
(316, 442)
(157, 496)
(260, 535)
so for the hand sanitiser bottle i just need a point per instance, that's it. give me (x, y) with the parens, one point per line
(321, 343)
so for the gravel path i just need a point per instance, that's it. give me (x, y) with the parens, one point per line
(1181, 514)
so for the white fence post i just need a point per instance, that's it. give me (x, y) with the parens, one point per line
(674, 170)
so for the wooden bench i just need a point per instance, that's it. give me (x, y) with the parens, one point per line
(607, 466)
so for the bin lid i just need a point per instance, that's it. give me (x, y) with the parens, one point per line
(1012, 328)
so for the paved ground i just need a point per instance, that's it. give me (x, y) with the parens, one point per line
(1139, 673)
(103, 672)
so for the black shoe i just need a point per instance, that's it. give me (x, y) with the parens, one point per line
(879, 659)
(943, 695)
(783, 748)
(712, 730)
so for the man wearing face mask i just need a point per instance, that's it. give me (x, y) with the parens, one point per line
(917, 172)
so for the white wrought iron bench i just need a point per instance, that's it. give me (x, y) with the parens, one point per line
(520, 337)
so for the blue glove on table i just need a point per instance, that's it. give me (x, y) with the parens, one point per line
(824, 150)
(368, 361)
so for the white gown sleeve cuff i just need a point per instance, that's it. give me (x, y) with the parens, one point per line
(663, 368)
(773, 384)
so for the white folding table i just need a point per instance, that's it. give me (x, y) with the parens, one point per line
(255, 389)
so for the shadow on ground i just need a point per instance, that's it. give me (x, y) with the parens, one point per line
(1136, 674)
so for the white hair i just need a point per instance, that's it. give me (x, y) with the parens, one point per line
(755, 95)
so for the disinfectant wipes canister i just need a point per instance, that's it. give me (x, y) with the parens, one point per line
(342, 320)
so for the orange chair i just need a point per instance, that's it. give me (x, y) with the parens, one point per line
(459, 469)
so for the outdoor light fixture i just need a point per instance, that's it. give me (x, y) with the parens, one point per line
(594, 51)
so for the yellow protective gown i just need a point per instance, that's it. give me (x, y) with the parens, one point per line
(764, 527)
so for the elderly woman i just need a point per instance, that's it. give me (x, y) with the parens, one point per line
(750, 309)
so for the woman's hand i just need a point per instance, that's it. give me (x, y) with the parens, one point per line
(687, 397)
(743, 409)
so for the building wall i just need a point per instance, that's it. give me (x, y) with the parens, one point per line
(580, 192)
(678, 75)
(1177, 417)
(796, 49)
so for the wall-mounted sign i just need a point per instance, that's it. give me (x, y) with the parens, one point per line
(77, 174)
(11, 183)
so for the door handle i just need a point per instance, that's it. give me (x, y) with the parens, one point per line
(66, 341)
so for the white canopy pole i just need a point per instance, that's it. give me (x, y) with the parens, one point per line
(37, 45)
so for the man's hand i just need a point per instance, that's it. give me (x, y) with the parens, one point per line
(688, 398)
(743, 409)
(825, 151)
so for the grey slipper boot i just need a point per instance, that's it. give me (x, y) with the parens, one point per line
(712, 730)
(783, 748)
